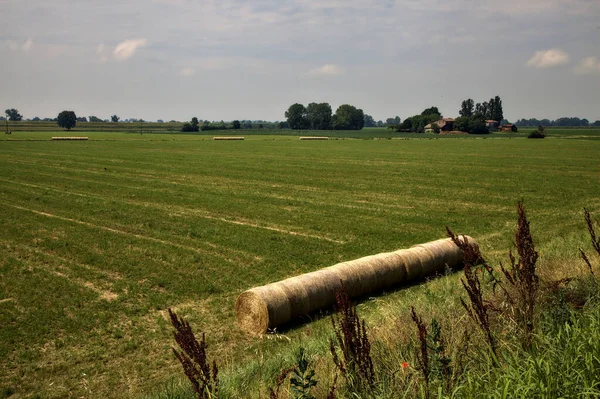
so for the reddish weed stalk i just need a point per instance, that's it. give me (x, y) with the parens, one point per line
(204, 379)
(351, 337)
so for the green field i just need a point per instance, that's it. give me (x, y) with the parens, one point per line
(100, 237)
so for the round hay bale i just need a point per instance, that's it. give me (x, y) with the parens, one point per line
(389, 268)
(357, 276)
(443, 252)
(412, 263)
(266, 307)
(428, 261)
(261, 308)
(321, 287)
(296, 295)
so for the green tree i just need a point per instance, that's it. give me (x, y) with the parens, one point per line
(67, 119)
(405, 126)
(431, 111)
(392, 122)
(435, 127)
(13, 115)
(297, 117)
(369, 121)
(478, 125)
(114, 118)
(462, 123)
(495, 112)
(192, 126)
(482, 108)
(236, 124)
(93, 118)
(471, 124)
(467, 107)
(348, 117)
(319, 116)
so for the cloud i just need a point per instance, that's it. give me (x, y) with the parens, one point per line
(327, 70)
(588, 65)
(548, 58)
(187, 72)
(127, 49)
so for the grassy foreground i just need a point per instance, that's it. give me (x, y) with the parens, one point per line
(100, 237)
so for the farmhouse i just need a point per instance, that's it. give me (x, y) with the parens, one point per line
(509, 127)
(445, 125)
(492, 125)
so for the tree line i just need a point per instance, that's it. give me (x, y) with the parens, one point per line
(318, 116)
(560, 122)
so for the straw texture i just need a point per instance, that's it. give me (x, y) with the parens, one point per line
(262, 308)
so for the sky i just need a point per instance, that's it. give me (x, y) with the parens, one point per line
(233, 59)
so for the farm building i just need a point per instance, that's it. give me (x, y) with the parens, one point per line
(509, 127)
(492, 125)
(445, 125)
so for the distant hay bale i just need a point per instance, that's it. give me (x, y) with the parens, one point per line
(314, 138)
(69, 138)
(266, 307)
(229, 138)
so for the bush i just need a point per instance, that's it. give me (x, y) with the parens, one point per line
(540, 133)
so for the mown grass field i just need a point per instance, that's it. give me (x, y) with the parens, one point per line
(99, 237)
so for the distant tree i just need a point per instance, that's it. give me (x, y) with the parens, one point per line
(392, 122)
(114, 118)
(597, 123)
(192, 126)
(13, 115)
(369, 121)
(471, 124)
(67, 119)
(34, 119)
(494, 111)
(81, 119)
(348, 117)
(283, 125)
(478, 125)
(417, 123)
(157, 121)
(236, 124)
(431, 111)
(467, 107)
(462, 123)
(405, 126)
(380, 123)
(540, 133)
(261, 126)
(2, 118)
(93, 118)
(296, 116)
(436, 128)
(319, 116)
(482, 108)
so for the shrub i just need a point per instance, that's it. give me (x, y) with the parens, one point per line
(540, 133)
